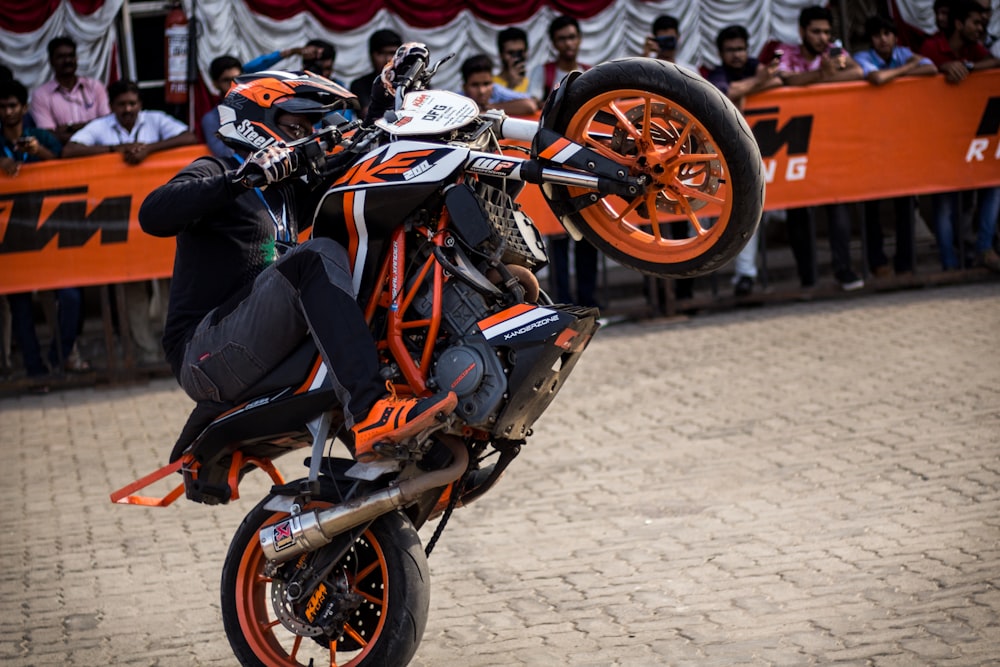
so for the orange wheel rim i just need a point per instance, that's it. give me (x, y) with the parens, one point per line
(654, 136)
(275, 645)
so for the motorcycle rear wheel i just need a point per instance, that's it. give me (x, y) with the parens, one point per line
(390, 573)
(659, 120)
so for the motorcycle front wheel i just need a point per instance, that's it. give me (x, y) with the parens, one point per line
(386, 567)
(693, 145)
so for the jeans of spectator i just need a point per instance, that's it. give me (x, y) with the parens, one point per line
(746, 261)
(946, 207)
(5, 330)
(947, 218)
(801, 229)
(903, 212)
(802, 239)
(986, 218)
(586, 270)
(69, 304)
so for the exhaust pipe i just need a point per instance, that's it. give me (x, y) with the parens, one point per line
(311, 530)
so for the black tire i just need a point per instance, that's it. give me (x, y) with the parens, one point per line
(385, 630)
(698, 151)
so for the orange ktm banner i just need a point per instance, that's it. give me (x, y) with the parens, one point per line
(856, 141)
(75, 222)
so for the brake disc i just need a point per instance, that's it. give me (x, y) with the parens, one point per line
(668, 127)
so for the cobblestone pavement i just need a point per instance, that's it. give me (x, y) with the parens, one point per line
(812, 483)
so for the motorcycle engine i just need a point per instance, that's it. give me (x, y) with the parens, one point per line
(469, 366)
(473, 371)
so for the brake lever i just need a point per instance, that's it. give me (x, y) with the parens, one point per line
(429, 74)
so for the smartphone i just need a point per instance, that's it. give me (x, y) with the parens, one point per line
(836, 49)
(666, 42)
(778, 55)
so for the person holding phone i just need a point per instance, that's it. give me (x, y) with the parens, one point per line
(21, 144)
(664, 41)
(662, 44)
(24, 145)
(817, 59)
(512, 46)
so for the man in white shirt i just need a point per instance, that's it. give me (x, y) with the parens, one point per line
(128, 129)
(134, 134)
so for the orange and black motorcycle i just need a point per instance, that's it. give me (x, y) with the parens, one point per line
(329, 569)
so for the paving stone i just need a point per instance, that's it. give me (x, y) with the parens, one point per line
(800, 484)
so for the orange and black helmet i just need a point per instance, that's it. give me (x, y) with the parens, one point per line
(248, 115)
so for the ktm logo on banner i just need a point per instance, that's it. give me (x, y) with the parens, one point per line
(989, 126)
(793, 136)
(30, 220)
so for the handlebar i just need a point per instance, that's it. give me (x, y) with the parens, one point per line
(405, 81)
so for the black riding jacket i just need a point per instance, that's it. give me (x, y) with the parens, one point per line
(226, 236)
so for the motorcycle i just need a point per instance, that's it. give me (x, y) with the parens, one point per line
(648, 162)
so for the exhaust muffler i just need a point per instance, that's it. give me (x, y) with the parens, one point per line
(311, 530)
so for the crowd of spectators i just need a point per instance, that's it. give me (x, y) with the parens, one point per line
(72, 115)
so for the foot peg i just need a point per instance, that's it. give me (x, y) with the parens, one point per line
(392, 450)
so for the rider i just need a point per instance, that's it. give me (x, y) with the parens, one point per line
(245, 293)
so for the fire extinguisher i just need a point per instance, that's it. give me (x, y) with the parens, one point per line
(176, 88)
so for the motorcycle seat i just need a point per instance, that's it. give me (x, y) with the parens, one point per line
(290, 372)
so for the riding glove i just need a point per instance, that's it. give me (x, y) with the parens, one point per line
(268, 165)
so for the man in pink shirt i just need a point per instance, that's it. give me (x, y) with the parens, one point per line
(819, 60)
(68, 102)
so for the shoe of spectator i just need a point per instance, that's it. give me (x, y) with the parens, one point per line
(743, 287)
(807, 291)
(882, 271)
(849, 281)
(990, 260)
(76, 364)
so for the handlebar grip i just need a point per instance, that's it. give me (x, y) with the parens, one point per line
(403, 83)
(518, 129)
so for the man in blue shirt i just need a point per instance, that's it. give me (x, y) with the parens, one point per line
(886, 60)
(478, 85)
(18, 145)
(882, 63)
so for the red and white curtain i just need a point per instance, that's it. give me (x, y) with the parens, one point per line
(247, 28)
